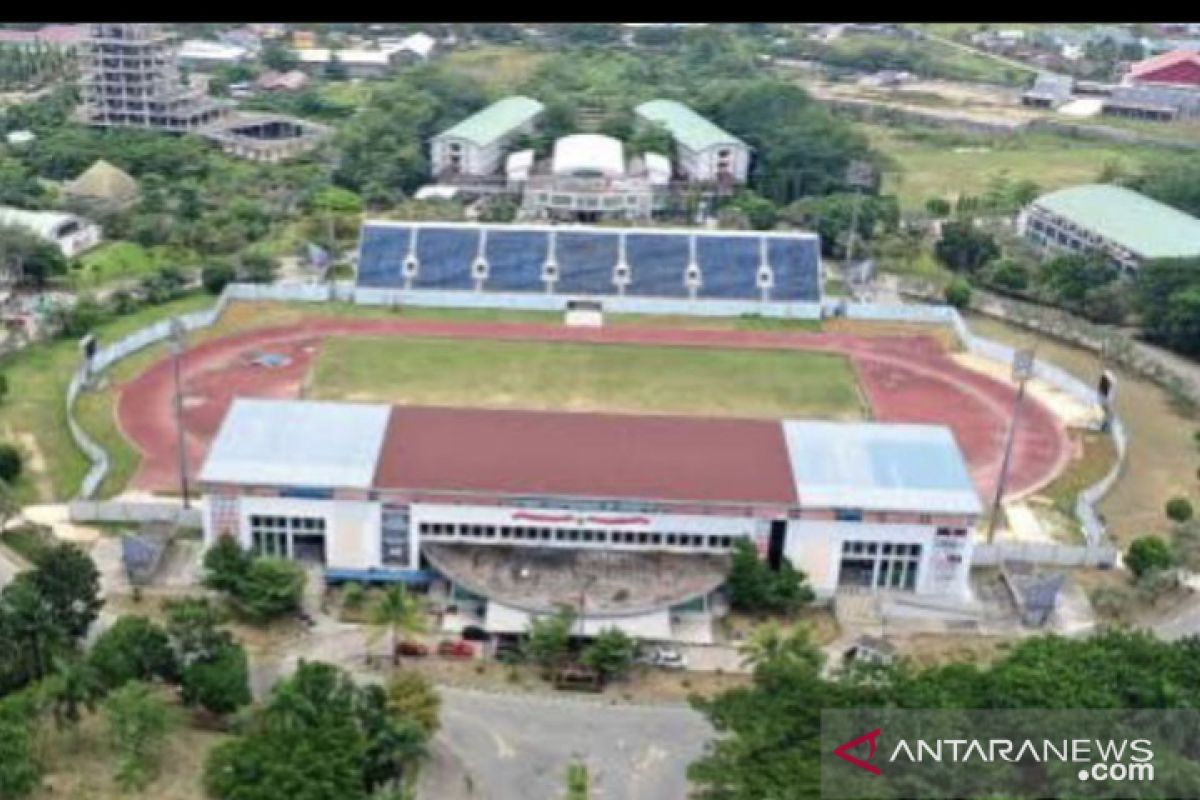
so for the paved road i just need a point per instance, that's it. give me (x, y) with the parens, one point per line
(517, 747)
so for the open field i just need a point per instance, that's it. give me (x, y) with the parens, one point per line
(1163, 458)
(578, 377)
(497, 68)
(947, 165)
(80, 763)
(945, 60)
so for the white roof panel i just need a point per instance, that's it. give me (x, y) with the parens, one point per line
(879, 467)
(589, 153)
(297, 443)
(652, 626)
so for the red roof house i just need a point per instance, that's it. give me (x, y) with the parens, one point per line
(1176, 68)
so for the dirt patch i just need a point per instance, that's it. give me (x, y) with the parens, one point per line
(36, 464)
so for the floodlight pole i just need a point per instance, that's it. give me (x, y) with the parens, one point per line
(1022, 374)
(178, 342)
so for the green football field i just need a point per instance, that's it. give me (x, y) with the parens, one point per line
(584, 377)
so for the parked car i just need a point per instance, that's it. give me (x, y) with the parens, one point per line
(663, 656)
(412, 649)
(455, 649)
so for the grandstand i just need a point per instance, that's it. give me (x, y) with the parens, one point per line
(745, 270)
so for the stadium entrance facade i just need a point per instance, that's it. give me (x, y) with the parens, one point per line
(656, 270)
(623, 515)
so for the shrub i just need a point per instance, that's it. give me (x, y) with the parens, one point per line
(353, 595)
(272, 587)
(226, 565)
(133, 649)
(11, 462)
(1010, 275)
(1179, 509)
(1148, 554)
(958, 293)
(220, 684)
(216, 277)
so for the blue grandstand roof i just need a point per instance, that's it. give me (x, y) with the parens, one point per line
(729, 265)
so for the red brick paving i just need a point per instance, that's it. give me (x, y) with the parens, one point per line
(905, 379)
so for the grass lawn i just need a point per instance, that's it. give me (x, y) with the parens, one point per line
(115, 261)
(948, 61)
(587, 377)
(946, 166)
(34, 413)
(1162, 459)
(495, 67)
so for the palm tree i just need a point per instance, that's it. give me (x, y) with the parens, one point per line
(397, 612)
(74, 687)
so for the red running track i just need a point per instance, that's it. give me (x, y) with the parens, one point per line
(905, 378)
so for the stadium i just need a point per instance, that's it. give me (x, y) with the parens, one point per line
(447, 430)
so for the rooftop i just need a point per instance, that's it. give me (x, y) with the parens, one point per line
(883, 467)
(501, 117)
(589, 154)
(1144, 226)
(692, 130)
(586, 455)
(290, 443)
(46, 224)
(1151, 65)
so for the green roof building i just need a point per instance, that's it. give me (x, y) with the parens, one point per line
(706, 152)
(1129, 226)
(476, 145)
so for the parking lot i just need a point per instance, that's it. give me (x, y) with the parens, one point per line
(517, 747)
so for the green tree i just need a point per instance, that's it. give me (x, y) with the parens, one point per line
(964, 248)
(20, 768)
(68, 579)
(549, 641)
(278, 57)
(215, 277)
(3, 387)
(1070, 277)
(1148, 554)
(769, 644)
(220, 683)
(255, 266)
(226, 565)
(1179, 509)
(754, 587)
(610, 653)
(1185, 545)
(394, 745)
(133, 649)
(397, 611)
(139, 721)
(938, 207)
(193, 627)
(958, 293)
(410, 695)
(1009, 275)
(1165, 297)
(28, 259)
(30, 632)
(306, 744)
(75, 686)
(272, 588)
(11, 462)
(760, 212)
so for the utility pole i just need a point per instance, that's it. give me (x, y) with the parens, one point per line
(859, 175)
(1022, 371)
(178, 344)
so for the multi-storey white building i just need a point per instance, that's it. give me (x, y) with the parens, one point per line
(476, 146)
(379, 493)
(1128, 227)
(705, 152)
